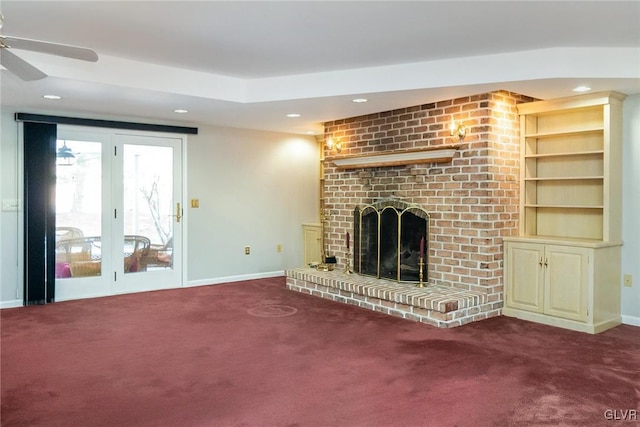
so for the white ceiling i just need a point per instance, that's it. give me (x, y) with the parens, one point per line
(247, 64)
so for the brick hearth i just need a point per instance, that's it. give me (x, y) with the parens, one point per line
(440, 306)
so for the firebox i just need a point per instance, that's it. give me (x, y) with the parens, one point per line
(390, 238)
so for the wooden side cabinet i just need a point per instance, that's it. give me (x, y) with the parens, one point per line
(312, 243)
(575, 285)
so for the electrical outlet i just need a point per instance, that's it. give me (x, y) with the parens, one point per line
(279, 247)
(247, 250)
(628, 280)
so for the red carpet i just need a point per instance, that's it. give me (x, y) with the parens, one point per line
(256, 354)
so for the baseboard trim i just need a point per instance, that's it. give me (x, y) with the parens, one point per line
(230, 279)
(631, 320)
(11, 304)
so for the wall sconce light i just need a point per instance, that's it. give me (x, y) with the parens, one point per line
(457, 130)
(337, 146)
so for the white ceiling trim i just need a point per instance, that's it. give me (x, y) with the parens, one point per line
(507, 67)
(487, 69)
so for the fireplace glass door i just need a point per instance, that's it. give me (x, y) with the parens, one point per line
(388, 240)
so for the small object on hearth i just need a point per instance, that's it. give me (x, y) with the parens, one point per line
(347, 268)
(421, 284)
(330, 260)
(324, 267)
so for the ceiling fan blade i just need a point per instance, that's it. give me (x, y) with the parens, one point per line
(19, 66)
(65, 50)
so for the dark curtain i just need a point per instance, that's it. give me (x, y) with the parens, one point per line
(39, 212)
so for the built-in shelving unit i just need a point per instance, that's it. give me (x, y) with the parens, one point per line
(563, 269)
(563, 176)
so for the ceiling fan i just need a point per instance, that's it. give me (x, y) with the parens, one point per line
(26, 71)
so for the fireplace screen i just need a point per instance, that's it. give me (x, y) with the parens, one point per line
(388, 239)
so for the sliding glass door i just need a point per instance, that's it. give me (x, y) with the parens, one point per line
(118, 213)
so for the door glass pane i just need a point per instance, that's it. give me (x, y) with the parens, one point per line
(148, 207)
(78, 209)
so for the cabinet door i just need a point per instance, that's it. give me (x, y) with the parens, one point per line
(312, 244)
(524, 276)
(566, 279)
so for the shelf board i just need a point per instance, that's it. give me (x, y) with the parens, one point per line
(565, 178)
(598, 129)
(572, 241)
(563, 206)
(437, 154)
(565, 154)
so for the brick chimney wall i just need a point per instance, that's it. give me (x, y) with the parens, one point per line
(472, 200)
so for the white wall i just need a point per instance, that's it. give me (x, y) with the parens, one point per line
(631, 209)
(255, 189)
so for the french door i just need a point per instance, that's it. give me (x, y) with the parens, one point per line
(118, 212)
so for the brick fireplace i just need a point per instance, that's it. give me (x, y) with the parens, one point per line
(472, 199)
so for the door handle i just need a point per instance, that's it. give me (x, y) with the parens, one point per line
(540, 262)
(178, 214)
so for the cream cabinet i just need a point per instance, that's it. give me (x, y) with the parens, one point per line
(312, 243)
(575, 285)
(564, 268)
(548, 279)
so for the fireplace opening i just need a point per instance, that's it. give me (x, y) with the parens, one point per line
(387, 241)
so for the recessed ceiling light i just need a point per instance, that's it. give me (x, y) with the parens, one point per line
(52, 97)
(293, 115)
(581, 89)
(180, 111)
(360, 100)
(311, 132)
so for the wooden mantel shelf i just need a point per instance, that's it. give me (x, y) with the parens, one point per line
(437, 154)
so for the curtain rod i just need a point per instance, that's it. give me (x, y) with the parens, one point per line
(41, 118)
